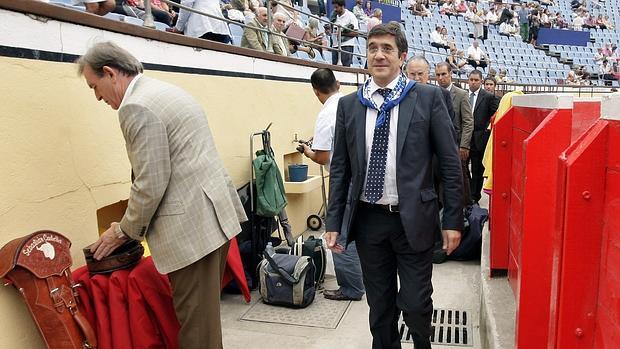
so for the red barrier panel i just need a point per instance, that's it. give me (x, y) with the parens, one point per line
(587, 276)
(508, 165)
(528, 142)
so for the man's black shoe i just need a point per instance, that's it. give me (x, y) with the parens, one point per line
(336, 295)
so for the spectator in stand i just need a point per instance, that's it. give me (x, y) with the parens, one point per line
(448, 9)
(507, 14)
(571, 79)
(503, 78)
(444, 36)
(358, 11)
(583, 75)
(368, 10)
(254, 38)
(589, 22)
(606, 71)
(476, 57)
(346, 19)
(376, 18)
(313, 35)
(615, 70)
(421, 8)
(236, 10)
(477, 18)
(281, 45)
(544, 19)
(578, 22)
(97, 7)
(456, 61)
(484, 106)
(524, 22)
(491, 16)
(534, 27)
(460, 7)
(599, 56)
(600, 22)
(198, 26)
(607, 51)
(437, 40)
(560, 21)
(291, 15)
(608, 23)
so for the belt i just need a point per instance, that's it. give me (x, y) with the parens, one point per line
(388, 208)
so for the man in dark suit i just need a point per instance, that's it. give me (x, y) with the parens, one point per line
(463, 117)
(381, 188)
(484, 106)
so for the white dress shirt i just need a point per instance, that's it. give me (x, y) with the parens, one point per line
(390, 192)
(475, 53)
(476, 94)
(129, 89)
(323, 139)
(436, 38)
(195, 25)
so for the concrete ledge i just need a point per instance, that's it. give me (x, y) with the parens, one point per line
(497, 305)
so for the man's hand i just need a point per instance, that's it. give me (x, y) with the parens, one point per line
(307, 151)
(174, 30)
(107, 243)
(464, 153)
(451, 240)
(331, 237)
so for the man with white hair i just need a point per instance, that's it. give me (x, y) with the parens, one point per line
(280, 44)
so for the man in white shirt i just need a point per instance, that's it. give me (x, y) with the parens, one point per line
(475, 56)
(347, 263)
(196, 25)
(437, 40)
(347, 19)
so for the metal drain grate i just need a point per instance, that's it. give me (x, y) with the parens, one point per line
(448, 327)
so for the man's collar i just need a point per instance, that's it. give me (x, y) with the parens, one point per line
(336, 96)
(129, 89)
(475, 92)
(449, 88)
(373, 87)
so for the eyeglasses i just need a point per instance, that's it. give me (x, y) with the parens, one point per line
(386, 50)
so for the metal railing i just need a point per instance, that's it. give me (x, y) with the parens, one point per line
(149, 22)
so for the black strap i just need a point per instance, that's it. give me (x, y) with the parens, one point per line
(288, 278)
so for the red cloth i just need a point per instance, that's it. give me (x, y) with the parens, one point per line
(234, 269)
(151, 308)
(118, 306)
(133, 308)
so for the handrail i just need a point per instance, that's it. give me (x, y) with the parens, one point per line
(267, 30)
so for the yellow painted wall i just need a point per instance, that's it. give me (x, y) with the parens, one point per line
(63, 156)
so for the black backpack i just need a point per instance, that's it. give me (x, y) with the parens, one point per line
(471, 239)
(315, 249)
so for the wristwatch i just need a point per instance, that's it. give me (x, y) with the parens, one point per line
(120, 234)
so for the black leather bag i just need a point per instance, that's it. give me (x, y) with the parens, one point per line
(124, 257)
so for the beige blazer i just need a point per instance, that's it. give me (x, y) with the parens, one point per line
(463, 115)
(182, 199)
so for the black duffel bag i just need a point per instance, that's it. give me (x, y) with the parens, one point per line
(287, 280)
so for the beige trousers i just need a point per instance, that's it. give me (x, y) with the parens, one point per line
(196, 297)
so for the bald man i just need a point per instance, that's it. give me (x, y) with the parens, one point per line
(418, 69)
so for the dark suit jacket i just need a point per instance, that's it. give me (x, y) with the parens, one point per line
(424, 129)
(485, 107)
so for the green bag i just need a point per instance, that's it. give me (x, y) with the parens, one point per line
(270, 195)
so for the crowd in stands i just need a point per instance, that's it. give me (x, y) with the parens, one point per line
(291, 33)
